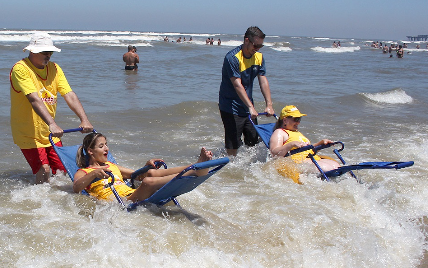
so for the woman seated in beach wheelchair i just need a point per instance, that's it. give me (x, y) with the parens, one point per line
(287, 137)
(286, 140)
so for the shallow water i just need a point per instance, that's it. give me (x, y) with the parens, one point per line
(247, 215)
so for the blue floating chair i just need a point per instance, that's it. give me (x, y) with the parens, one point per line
(265, 132)
(179, 185)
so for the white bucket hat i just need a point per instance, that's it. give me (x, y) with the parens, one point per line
(41, 42)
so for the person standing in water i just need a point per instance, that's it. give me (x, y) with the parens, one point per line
(240, 67)
(131, 58)
(35, 82)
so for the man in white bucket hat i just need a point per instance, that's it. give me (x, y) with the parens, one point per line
(41, 42)
(35, 82)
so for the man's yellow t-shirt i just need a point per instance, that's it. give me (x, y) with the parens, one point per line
(28, 128)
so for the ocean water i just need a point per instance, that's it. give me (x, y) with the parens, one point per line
(247, 215)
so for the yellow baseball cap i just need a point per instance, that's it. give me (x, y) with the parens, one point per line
(290, 110)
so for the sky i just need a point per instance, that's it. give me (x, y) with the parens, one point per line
(374, 19)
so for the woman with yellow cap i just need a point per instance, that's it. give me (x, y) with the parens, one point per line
(286, 137)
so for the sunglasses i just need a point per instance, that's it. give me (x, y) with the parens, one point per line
(47, 53)
(256, 46)
(296, 119)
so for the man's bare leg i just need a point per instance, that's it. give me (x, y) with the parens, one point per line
(43, 174)
(233, 152)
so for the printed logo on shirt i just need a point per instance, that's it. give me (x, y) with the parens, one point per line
(47, 97)
(304, 139)
(117, 181)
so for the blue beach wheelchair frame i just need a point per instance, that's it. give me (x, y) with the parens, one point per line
(265, 132)
(179, 185)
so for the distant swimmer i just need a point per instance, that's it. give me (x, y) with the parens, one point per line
(179, 40)
(385, 48)
(218, 42)
(400, 52)
(334, 44)
(131, 58)
(207, 42)
(166, 39)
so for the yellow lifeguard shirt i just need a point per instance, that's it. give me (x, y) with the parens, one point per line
(28, 128)
(100, 189)
(297, 136)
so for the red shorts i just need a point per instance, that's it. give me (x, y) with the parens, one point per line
(37, 157)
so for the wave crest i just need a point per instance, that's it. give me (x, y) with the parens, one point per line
(395, 96)
(335, 50)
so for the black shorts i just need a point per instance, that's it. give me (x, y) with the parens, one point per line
(234, 127)
(127, 67)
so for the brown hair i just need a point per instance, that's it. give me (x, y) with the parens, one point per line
(278, 124)
(254, 31)
(82, 157)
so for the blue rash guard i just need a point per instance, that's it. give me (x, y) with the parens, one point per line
(236, 65)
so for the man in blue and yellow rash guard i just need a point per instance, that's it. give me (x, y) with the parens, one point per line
(241, 65)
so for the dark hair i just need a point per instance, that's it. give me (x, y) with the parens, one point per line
(254, 31)
(278, 124)
(82, 156)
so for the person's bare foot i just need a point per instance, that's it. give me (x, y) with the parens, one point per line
(203, 157)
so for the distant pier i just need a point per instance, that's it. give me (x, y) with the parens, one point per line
(418, 38)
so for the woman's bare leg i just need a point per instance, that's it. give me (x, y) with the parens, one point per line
(150, 185)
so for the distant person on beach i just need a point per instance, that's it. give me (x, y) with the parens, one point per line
(385, 48)
(166, 39)
(35, 82)
(191, 39)
(92, 177)
(334, 44)
(287, 137)
(241, 65)
(400, 52)
(218, 42)
(212, 41)
(178, 40)
(131, 58)
(207, 42)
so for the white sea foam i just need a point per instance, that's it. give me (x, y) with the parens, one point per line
(416, 49)
(335, 50)
(253, 217)
(282, 49)
(395, 96)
